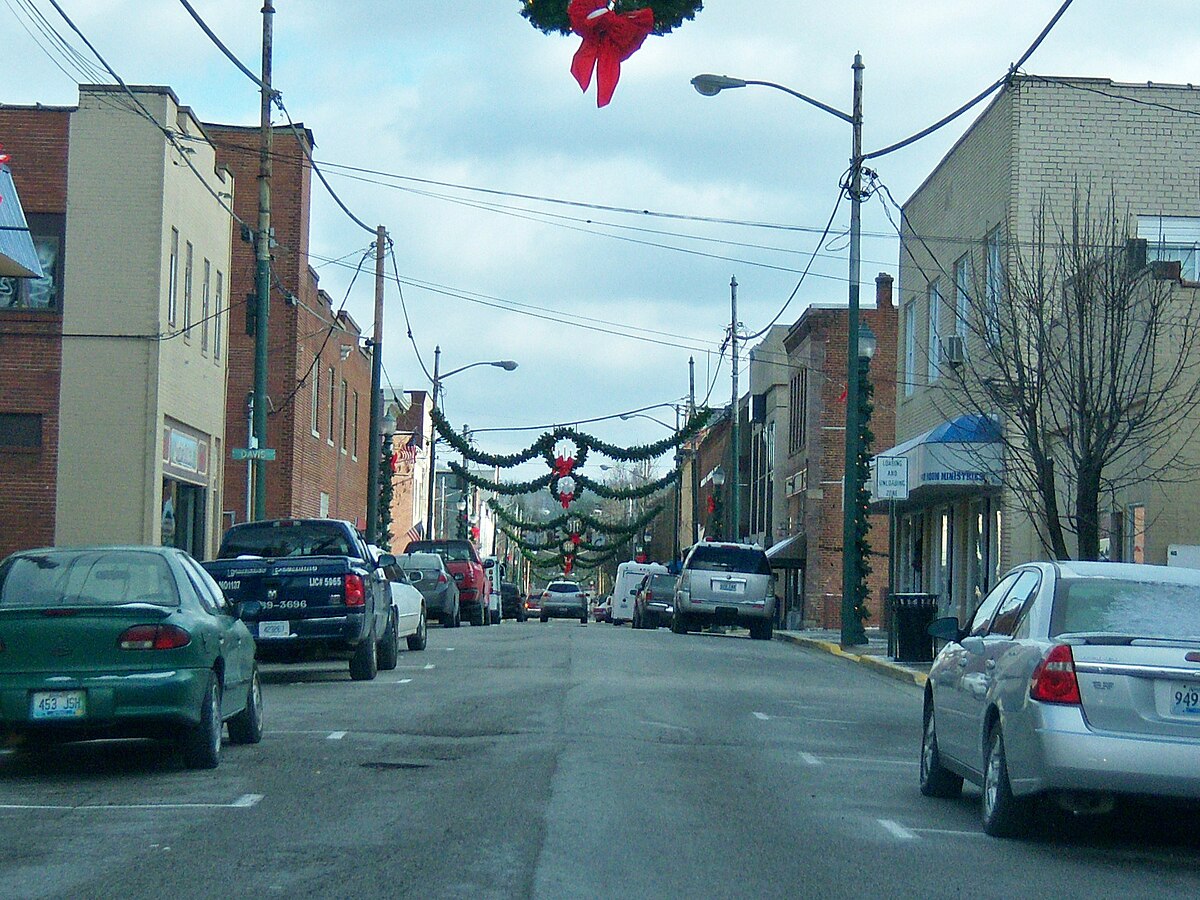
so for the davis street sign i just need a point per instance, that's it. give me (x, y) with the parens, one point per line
(891, 478)
(267, 453)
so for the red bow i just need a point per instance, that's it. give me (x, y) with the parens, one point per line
(575, 539)
(566, 499)
(568, 565)
(563, 466)
(609, 38)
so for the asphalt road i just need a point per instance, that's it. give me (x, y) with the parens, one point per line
(556, 761)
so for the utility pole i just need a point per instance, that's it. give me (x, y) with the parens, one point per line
(375, 453)
(678, 493)
(734, 450)
(433, 397)
(695, 453)
(262, 272)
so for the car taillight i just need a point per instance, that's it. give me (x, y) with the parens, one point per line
(442, 578)
(354, 592)
(545, 595)
(649, 596)
(153, 637)
(1053, 681)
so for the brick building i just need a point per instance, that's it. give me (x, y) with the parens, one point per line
(319, 379)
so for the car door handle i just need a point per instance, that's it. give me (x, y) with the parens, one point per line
(991, 664)
(962, 662)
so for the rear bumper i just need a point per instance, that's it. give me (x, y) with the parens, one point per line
(333, 634)
(563, 612)
(1068, 755)
(116, 703)
(727, 613)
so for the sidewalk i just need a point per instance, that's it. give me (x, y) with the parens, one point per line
(874, 655)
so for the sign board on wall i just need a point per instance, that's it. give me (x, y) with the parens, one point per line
(891, 478)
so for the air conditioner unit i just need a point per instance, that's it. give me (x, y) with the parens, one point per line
(954, 349)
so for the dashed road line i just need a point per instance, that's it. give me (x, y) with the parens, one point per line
(761, 716)
(246, 801)
(664, 725)
(335, 735)
(810, 760)
(897, 830)
(404, 681)
(949, 831)
(428, 666)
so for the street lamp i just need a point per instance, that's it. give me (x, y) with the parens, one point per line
(438, 377)
(709, 85)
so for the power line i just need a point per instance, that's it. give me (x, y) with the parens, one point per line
(404, 308)
(220, 46)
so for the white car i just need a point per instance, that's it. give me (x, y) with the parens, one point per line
(408, 615)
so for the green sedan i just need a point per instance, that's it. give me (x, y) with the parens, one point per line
(110, 642)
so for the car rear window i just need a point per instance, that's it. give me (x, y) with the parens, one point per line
(562, 587)
(87, 578)
(1132, 608)
(661, 583)
(450, 551)
(730, 559)
(275, 540)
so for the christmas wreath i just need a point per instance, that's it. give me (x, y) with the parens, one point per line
(550, 16)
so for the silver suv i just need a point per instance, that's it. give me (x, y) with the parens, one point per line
(725, 584)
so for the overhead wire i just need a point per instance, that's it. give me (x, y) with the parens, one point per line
(404, 309)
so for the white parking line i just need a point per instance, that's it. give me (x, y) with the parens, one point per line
(950, 832)
(664, 725)
(761, 716)
(428, 667)
(811, 760)
(404, 681)
(335, 735)
(867, 761)
(897, 830)
(246, 801)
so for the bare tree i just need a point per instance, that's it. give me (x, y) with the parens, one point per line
(1089, 357)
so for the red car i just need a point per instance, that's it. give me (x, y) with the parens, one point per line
(533, 604)
(600, 612)
(463, 562)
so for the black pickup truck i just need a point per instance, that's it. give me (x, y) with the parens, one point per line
(310, 588)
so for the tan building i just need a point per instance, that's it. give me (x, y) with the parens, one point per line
(1037, 141)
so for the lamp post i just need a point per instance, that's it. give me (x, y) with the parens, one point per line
(852, 633)
(678, 459)
(438, 377)
(718, 479)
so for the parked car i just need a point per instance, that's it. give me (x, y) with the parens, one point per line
(725, 584)
(469, 572)
(564, 600)
(601, 610)
(511, 602)
(533, 604)
(429, 575)
(625, 584)
(1077, 681)
(124, 642)
(408, 610)
(654, 603)
(310, 588)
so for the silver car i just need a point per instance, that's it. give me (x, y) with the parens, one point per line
(564, 600)
(725, 584)
(427, 573)
(1077, 681)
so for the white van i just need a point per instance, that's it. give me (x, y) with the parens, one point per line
(629, 576)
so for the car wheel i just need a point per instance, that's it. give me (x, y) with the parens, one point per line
(479, 617)
(545, 618)
(761, 631)
(936, 779)
(388, 652)
(364, 664)
(493, 617)
(247, 726)
(677, 624)
(201, 742)
(420, 637)
(583, 619)
(1004, 815)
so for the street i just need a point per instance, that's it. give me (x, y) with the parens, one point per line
(558, 760)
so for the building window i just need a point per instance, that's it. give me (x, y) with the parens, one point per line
(935, 316)
(218, 315)
(1174, 238)
(21, 430)
(173, 279)
(994, 287)
(962, 296)
(345, 415)
(798, 411)
(354, 439)
(332, 403)
(187, 291)
(39, 293)
(205, 308)
(315, 372)
(910, 346)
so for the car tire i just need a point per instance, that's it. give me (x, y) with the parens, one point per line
(479, 618)
(493, 617)
(761, 631)
(677, 624)
(418, 639)
(583, 620)
(1004, 815)
(364, 664)
(936, 779)
(545, 618)
(388, 652)
(247, 726)
(201, 743)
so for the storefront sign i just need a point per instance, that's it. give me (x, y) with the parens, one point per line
(185, 454)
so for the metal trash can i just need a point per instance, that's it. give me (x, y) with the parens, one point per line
(911, 615)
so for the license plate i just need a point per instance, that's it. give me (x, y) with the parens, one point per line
(728, 587)
(274, 629)
(1185, 699)
(58, 705)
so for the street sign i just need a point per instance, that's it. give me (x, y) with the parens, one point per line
(891, 478)
(267, 453)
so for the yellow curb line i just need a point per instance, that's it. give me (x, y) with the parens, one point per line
(879, 665)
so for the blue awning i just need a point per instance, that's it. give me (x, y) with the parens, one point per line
(963, 453)
(18, 258)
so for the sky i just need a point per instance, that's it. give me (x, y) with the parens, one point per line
(497, 166)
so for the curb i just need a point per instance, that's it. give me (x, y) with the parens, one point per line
(882, 666)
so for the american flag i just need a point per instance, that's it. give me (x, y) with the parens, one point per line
(415, 533)
(408, 451)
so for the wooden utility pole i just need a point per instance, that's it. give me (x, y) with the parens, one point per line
(375, 451)
(262, 271)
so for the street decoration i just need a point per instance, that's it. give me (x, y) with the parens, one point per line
(550, 16)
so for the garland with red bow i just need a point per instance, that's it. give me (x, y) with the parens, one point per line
(550, 16)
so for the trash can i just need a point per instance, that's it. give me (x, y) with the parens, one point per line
(911, 615)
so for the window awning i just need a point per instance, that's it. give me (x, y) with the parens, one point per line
(789, 552)
(963, 454)
(17, 255)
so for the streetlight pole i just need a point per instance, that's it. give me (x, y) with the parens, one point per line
(852, 633)
(375, 450)
(735, 491)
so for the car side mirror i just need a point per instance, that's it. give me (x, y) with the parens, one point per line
(385, 559)
(489, 563)
(248, 608)
(945, 628)
(633, 593)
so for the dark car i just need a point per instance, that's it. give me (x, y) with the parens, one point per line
(564, 600)
(655, 601)
(512, 604)
(463, 562)
(429, 575)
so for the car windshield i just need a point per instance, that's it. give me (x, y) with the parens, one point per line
(421, 561)
(279, 539)
(450, 551)
(660, 583)
(86, 578)
(1132, 608)
(562, 587)
(730, 559)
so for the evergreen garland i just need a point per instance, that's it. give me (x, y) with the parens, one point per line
(589, 522)
(862, 499)
(550, 16)
(509, 488)
(383, 524)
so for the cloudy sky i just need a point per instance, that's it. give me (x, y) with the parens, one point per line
(510, 195)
